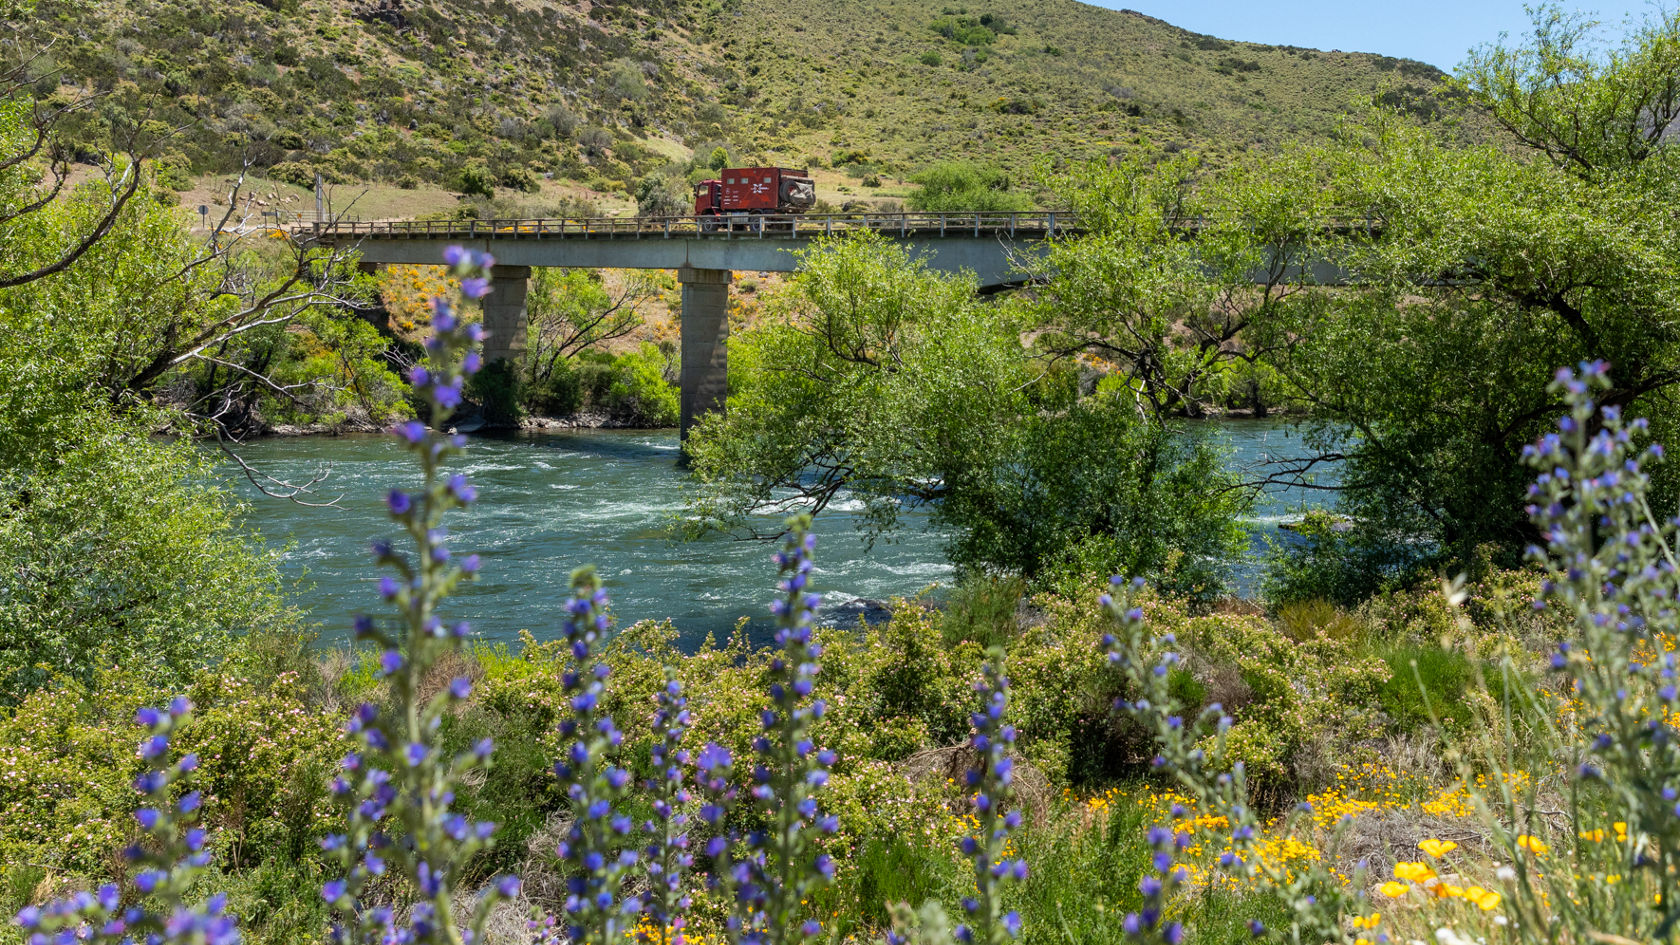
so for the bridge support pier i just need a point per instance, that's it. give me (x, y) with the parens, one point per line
(705, 336)
(504, 315)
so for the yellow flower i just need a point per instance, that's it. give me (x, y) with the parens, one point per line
(1485, 898)
(1367, 922)
(1413, 872)
(1448, 891)
(1533, 845)
(1437, 848)
(1393, 890)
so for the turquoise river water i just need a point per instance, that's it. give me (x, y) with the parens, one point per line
(551, 502)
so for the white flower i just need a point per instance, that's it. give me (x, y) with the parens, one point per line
(1506, 874)
(1447, 936)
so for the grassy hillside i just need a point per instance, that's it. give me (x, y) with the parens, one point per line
(422, 93)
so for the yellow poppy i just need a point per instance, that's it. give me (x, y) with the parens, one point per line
(1533, 845)
(1437, 848)
(1487, 899)
(1413, 872)
(1393, 890)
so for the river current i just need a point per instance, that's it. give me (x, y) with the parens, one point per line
(553, 501)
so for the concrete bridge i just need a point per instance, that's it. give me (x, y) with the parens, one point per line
(703, 252)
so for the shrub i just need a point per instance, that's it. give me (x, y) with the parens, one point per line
(558, 395)
(961, 186)
(296, 173)
(640, 393)
(475, 180)
(1326, 557)
(984, 609)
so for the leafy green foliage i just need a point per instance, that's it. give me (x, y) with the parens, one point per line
(1592, 113)
(879, 376)
(117, 552)
(956, 186)
(644, 393)
(896, 385)
(1433, 385)
(1094, 489)
(573, 310)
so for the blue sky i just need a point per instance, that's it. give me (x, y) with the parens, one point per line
(1438, 32)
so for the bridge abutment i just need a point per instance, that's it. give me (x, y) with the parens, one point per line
(705, 338)
(504, 315)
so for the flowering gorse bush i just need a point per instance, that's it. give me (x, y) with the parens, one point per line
(398, 791)
(165, 864)
(1318, 899)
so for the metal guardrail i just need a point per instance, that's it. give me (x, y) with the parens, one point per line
(743, 226)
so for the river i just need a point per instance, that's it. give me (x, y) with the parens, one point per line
(553, 501)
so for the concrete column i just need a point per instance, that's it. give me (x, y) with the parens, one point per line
(504, 315)
(705, 336)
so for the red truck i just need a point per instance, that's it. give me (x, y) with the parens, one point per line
(745, 194)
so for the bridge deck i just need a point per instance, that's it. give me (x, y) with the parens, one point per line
(1031, 226)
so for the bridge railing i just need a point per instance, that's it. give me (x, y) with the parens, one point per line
(741, 226)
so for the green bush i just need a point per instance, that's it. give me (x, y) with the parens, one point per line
(1335, 559)
(984, 609)
(962, 186)
(1460, 698)
(475, 180)
(640, 394)
(558, 395)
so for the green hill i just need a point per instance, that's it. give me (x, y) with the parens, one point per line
(415, 92)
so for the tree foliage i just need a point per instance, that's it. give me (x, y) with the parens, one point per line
(570, 310)
(1161, 282)
(1591, 112)
(1486, 271)
(882, 381)
(115, 546)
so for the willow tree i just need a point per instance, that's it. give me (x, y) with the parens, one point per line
(1484, 269)
(877, 379)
